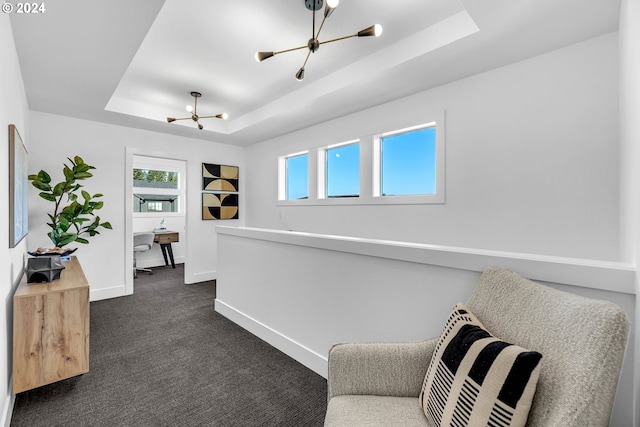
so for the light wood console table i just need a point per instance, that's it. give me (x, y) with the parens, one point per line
(51, 329)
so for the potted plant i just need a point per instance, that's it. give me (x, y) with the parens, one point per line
(73, 218)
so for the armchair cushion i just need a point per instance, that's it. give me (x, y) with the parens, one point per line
(383, 369)
(387, 411)
(475, 379)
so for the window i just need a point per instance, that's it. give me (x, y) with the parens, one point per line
(408, 163)
(156, 186)
(401, 166)
(154, 206)
(155, 202)
(155, 179)
(343, 171)
(297, 176)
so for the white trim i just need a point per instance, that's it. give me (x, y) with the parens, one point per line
(282, 173)
(144, 162)
(159, 156)
(128, 223)
(290, 347)
(383, 200)
(323, 165)
(369, 171)
(316, 176)
(203, 276)
(108, 293)
(603, 275)
(409, 129)
(7, 406)
(158, 262)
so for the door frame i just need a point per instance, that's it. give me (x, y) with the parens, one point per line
(128, 207)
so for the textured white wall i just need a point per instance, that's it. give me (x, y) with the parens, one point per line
(53, 138)
(531, 161)
(13, 110)
(630, 153)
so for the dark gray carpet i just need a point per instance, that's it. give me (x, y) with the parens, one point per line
(164, 357)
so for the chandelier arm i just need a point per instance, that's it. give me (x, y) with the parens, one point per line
(306, 59)
(181, 118)
(339, 38)
(290, 50)
(313, 25)
(320, 29)
(210, 117)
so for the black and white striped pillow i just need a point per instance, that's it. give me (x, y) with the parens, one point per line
(475, 379)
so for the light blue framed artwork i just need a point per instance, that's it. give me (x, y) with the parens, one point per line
(18, 188)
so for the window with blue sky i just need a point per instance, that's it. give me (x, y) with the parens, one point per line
(408, 163)
(297, 177)
(405, 165)
(343, 171)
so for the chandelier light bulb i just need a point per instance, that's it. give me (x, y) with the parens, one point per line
(314, 42)
(194, 116)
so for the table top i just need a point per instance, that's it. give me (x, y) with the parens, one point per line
(72, 277)
(167, 236)
(164, 232)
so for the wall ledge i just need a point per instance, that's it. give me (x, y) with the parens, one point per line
(595, 274)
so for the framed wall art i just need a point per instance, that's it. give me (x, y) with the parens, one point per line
(18, 188)
(219, 206)
(220, 177)
(220, 191)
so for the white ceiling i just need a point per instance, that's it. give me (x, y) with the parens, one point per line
(134, 63)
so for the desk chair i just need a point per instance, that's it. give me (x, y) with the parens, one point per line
(142, 242)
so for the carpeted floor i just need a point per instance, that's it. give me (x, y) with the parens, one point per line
(164, 357)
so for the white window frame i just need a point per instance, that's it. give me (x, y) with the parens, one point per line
(282, 175)
(370, 169)
(322, 169)
(155, 163)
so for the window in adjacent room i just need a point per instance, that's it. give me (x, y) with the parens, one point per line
(156, 191)
(342, 171)
(408, 163)
(296, 169)
(154, 206)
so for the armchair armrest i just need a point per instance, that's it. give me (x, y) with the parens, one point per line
(382, 369)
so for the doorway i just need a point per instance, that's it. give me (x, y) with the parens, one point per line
(156, 203)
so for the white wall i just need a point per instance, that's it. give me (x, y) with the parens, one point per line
(531, 161)
(630, 152)
(13, 110)
(107, 260)
(306, 292)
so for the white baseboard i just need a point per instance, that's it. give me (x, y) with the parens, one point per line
(106, 293)
(302, 354)
(7, 408)
(158, 262)
(204, 276)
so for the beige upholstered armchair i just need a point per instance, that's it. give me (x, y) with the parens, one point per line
(582, 342)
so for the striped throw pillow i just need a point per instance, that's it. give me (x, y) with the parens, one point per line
(475, 379)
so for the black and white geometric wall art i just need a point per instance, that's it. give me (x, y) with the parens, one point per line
(220, 186)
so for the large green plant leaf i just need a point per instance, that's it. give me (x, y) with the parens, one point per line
(77, 216)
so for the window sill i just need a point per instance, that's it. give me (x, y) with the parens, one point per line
(156, 214)
(383, 200)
